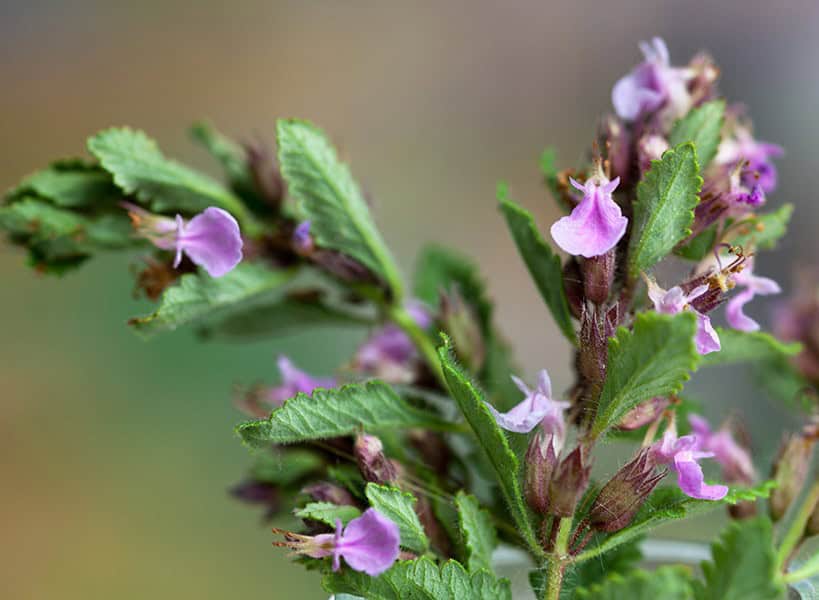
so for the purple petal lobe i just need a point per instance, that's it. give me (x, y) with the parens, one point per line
(735, 315)
(536, 407)
(212, 240)
(706, 338)
(595, 225)
(692, 482)
(369, 543)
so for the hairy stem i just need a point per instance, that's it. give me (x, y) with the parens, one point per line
(558, 557)
(797, 527)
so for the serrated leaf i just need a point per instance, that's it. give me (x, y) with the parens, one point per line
(701, 126)
(139, 168)
(228, 153)
(743, 346)
(666, 583)
(326, 512)
(543, 264)
(669, 504)
(285, 467)
(700, 246)
(330, 198)
(743, 564)
(477, 530)
(399, 506)
(70, 184)
(198, 296)
(653, 359)
(763, 231)
(337, 412)
(492, 440)
(664, 209)
(420, 579)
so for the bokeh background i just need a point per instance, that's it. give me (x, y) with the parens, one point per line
(116, 454)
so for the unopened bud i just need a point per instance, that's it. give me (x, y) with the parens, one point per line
(649, 148)
(372, 462)
(303, 243)
(324, 491)
(461, 324)
(541, 460)
(624, 494)
(570, 480)
(598, 276)
(643, 414)
(265, 172)
(616, 139)
(789, 472)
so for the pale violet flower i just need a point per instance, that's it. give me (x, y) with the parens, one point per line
(682, 455)
(754, 285)
(675, 301)
(734, 459)
(295, 381)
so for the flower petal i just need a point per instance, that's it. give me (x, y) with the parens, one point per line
(735, 315)
(212, 240)
(692, 482)
(706, 338)
(369, 543)
(594, 226)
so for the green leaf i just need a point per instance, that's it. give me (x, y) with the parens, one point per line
(701, 126)
(420, 579)
(620, 561)
(700, 246)
(668, 583)
(763, 231)
(330, 198)
(664, 210)
(743, 564)
(785, 383)
(549, 170)
(543, 264)
(399, 507)
(653, 359)
(742, 346)
(493, 441)
(478, 531)
(668, 504)
(325, 512)
(285, 467)
(198, 296)
(70, 184)
(139, 168)
(337, 412)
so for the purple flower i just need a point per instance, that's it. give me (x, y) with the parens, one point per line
(537, 407)
(294, 381)
(734, 459)
(675, 301)
(651, 85)
(211, 239)
(682, 454)
(753, 285)
(302, 240)
(369, 543)
(596, 224)
(754, 158)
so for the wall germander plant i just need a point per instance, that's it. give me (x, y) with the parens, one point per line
(426, 451)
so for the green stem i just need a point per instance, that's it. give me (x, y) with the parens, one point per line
(797, 527)
(558, 558)
(806, 571)
(400, 316)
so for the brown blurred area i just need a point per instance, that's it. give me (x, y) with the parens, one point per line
(116, 453)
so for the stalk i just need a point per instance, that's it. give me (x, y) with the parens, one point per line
(558, 558)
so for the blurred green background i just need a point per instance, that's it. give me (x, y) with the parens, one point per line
(116, 454)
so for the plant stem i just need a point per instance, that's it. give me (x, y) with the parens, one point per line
(809, 569)
(797, 527)
(558, 558)
(400, 316)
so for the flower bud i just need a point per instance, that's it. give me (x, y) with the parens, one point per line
(624, 494)
(324, 491)
(598, 276)
(265, 173)
(570, 480)
(643, 414)
(372, 462)
(541, 460)
(573, 286)
(789, 472)
(460, 323)
(616, 139)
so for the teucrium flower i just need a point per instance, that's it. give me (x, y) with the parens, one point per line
(754, 285)
(675, 301)
(536, 407)
(596, 224)
(211, 239)
(682, 455)
(734, 459)
(294, 380)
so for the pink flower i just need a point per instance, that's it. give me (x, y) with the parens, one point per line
(295, 381)
(651, 85)
(537, 407)
(675, 301)
(211, 239)
(752, 157)
(596, 224)
(734, 459)
(753, 285)
(682, 454)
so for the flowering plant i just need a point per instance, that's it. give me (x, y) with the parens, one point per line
(426, 452)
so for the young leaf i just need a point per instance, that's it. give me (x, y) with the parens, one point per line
(743, 564)
(653, 359)
(669, 504)
(742, 346)
(664, 210)
(337, 412)
(326, 512)
(330, 198)
(493, 441)
(420, 579)
(399, 506)
(480, 537)
(543, 264)
(701, 126)
(140, 168)
(699, 246)
(199, 296)
(668, 583)
(70, 184)
(763, 231)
